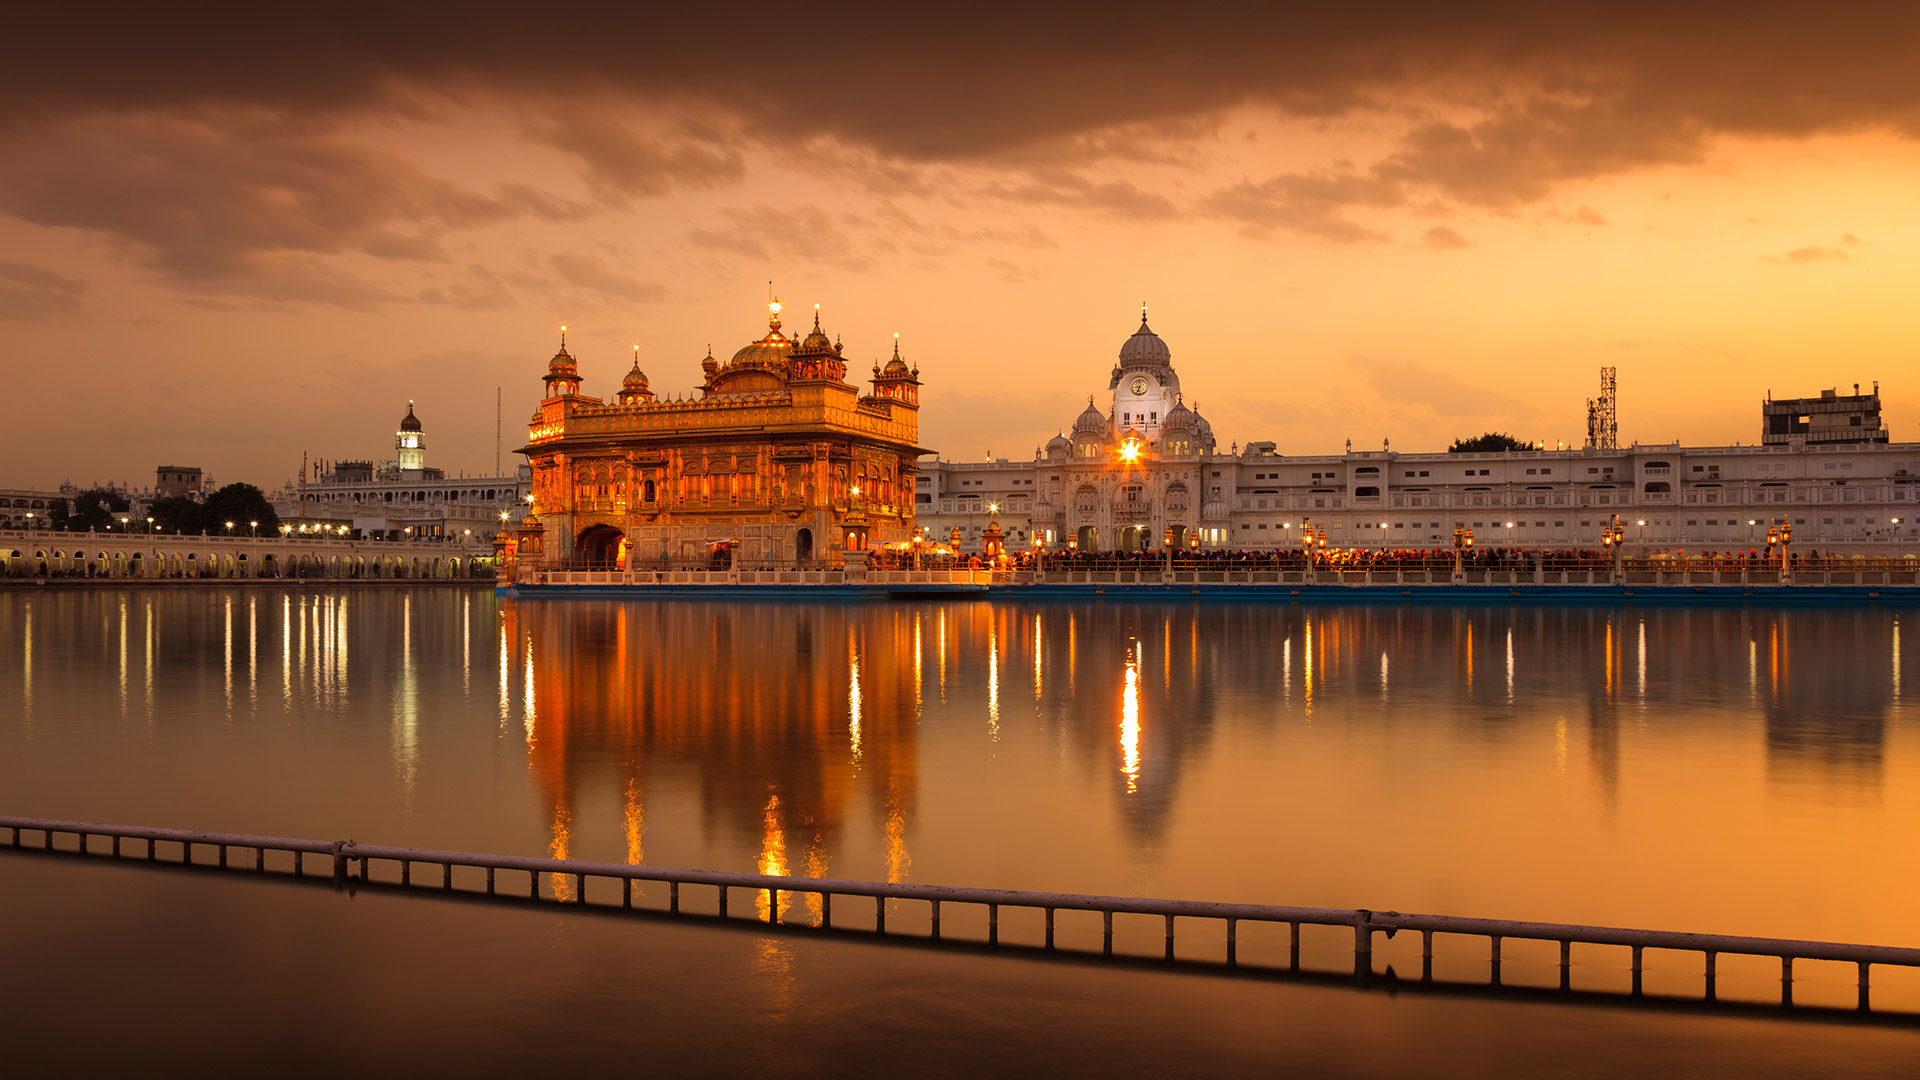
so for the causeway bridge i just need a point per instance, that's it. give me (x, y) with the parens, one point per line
(46, 555)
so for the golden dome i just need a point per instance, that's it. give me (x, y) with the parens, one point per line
(636, 380)
(770, 352)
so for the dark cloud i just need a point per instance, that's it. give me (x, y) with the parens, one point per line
(592, 272)
(245, 204)
(1307, 204)
(621, 163)
(1060, 187)
(31, 294)
(771, 235)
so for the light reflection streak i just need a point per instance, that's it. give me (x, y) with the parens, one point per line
(773, 859)
(26, 672)
(1306, 671)
(466, 646)
(1560, 744)
(406, 709)
(1643, 661)
(253, 653)
(993, 679)
(1130, 725)
(940, 649)
(853, 697)
(1036, 657)
(1753, 668)
(1509, 665)
(898, 861)
(1286, 669)
(149, 666)
(636, 824)
(559, 848)
(286, 653)
(526, 693)
(123, 656)
(1896, 660)
(506, 695)
(919, 665)
(227, 622)
(1383, 675)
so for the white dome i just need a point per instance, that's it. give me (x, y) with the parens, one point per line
(1145, 347)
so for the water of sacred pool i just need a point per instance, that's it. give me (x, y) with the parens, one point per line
(1743, 770)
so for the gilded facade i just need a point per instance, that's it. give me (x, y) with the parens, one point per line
(777, 461)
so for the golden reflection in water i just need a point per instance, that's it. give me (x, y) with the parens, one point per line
(1130, 725)
(853, 695)
(558, 848)
(406, 709)
(1286, 669)
(1468, 642)
(1306, 669)
(1609, 661)
(1642, 692)
(227, 620)
(253, 652)
(1036, 657)
(466, 646)
(898, 861)
(303, 644)
(148, 620)
(123, 656)
(919, 664)
(636, 823)
(1896, 660)
(526, 694)
(940, 650)
(1509, 665)
(506, 696)
(1383, 675)
(993, 678)
(773, 858)
(1560, 745)
(1166, 658)
(26, 669)
(286, 653)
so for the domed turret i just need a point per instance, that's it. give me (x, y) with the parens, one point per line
(410, 422)
(633, 388)
(410, 442)
(1091, 420)
(1144, 348)
(1059, 448)
(563, 374)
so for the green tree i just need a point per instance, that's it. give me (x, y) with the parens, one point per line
(1492, 442)
(178, 514)
(240, 504)
(93, 509)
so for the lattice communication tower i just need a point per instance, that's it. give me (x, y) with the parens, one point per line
(1603, 428)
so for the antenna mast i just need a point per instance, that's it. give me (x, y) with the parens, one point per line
(496, 431)
(1603, 426)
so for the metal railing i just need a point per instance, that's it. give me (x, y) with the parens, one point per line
(343, 855)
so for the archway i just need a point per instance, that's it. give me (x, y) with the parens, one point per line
(1087, 539)
(1179, 537)
(1131, 538)
(803, 546)
(601, 547)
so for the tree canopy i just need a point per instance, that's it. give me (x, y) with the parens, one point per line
(238, 503)
(1492, 442)
(95, 508)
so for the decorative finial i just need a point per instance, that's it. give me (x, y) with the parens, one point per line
(773, 312)
(563, 337)
(896, 344)
(816, 318)
(1143, 313)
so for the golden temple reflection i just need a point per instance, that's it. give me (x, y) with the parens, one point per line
(635, 822)
(993, 678)
(1753, 668)
(340, 637)
(773, 859)
(1608, 659)
(26, 669)
(1073, 649)
(940, 630)
(919, 666)
(1896, 660)
(1467, 640)
(1130, 725)
(1560, 744)
(1166, 658)
(1383, 675)
(303, 643)
(816, 868)
(853, 695)
(559, 847)
(898, 861)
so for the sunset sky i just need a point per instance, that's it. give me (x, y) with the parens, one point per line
(228, 238)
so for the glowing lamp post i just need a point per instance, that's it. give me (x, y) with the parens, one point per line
(1462, 540)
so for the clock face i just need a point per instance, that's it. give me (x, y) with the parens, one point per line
(1139, 384)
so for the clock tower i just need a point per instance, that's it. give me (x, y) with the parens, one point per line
(1145, 387)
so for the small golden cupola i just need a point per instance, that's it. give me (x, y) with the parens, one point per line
(633, 388)
(896, 382)
(761, 365)
(817, 358)
(563, 373)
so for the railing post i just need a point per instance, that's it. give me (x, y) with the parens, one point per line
(1864, 1005)
(723, 901)
(826, 910)
(1049, 928)
(1233, 930)
(879, 914)
(773, 906)
(1786, 980)
(1293, 949)
(446, 875)
(1636, 968)
(993, 924)
(1496, 959)
(1711, 978)
(936, 918)
(1566, 964)
(579, 888)
(673, 897)
(489, 879)
(1107, 917)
